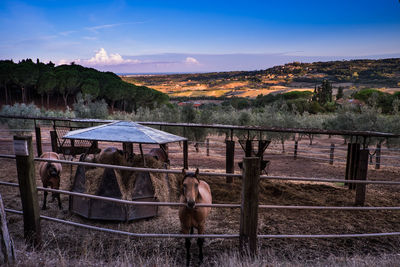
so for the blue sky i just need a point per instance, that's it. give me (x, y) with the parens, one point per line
(190, 36)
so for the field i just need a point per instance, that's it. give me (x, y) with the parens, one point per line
(64, 245)
(350, 75)
(219, 89)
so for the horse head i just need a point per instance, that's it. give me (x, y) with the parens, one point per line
(190, 188)
(53, 175)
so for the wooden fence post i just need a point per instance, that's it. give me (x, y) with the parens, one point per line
(249, 148)
(208, 146)
(352, 163)
(362, 175)
(331, 154)
(128, 148)
(185, 154)
(7, 255)
(27, 187)
(295, 149)
(378, 156)
(355, 165)
(53, 138)
(249, 205)
(38, 137)
(230, 159)
(348, 162)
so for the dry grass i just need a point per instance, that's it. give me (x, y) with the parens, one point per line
(116, 252)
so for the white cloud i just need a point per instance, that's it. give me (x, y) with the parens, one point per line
(101, 58)
(63, 62)
(90, 38)
(97, 28)
(101, 27)
(191, 60)
(66, 33)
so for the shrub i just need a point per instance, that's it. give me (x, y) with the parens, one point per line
(30, 110)
(376, 99)
(85, 107)
(297, 95)
(315, 108)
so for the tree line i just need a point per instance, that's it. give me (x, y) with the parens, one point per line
(28, 81)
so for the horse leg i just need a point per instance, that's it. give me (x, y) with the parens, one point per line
(44, 199)
(59, 201)
(200, 242)
(187, 245)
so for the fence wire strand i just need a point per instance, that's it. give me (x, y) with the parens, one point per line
(119, 232)
(230, 236)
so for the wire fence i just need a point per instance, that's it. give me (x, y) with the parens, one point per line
(218, 149)
(119, 232)
(223, 205)
(175, 204)
(227, 236)
(210, 174)
(339, 154)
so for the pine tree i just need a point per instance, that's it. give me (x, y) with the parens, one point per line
(323, 93)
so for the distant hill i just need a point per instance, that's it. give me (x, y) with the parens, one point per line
(349, 74)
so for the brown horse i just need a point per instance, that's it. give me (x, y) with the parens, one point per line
(50, 176)
(194, 191)
(159, 154)
(114, 156)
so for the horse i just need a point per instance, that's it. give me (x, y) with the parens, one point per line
(159, 154)
(194, 191)
(50, 176)
(114, 156)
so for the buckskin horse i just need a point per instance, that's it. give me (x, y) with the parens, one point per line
(194, 191)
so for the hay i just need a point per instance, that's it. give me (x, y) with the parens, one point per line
(93, 180)
(166, 186)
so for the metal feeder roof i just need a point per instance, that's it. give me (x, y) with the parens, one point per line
(124, 131)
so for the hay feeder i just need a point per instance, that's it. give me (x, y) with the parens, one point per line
(143, 190)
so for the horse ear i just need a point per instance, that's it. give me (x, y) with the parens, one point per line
(183, 172)
(196, 173)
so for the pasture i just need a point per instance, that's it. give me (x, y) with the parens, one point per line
(66, 245)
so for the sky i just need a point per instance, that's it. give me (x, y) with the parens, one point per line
(197, 36)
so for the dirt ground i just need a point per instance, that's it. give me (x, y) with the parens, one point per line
(71, 241)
